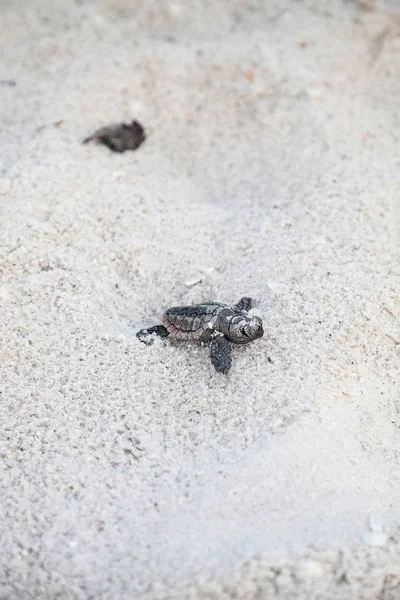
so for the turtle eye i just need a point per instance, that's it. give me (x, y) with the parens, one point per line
(244, 332)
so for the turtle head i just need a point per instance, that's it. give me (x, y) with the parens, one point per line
(243, 329)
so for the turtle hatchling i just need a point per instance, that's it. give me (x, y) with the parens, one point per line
(210, 322)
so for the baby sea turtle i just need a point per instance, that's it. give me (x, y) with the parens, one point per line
(210, 322)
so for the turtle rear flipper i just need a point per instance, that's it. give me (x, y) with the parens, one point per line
(244, 305)
(220, 354)
(158, 330)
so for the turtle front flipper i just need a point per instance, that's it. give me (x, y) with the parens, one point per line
(220, 354)
(244, 305)
(158, 330)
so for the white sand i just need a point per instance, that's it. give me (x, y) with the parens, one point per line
(271, 169)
